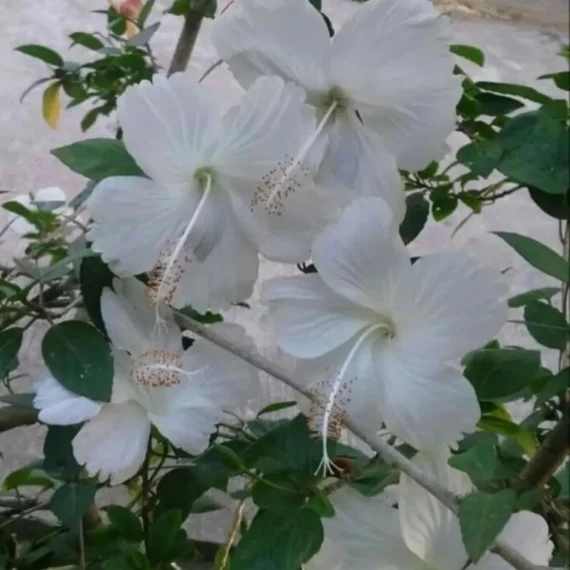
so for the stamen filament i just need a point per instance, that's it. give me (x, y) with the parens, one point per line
(182, 241)
(326, 462)
(301, 155)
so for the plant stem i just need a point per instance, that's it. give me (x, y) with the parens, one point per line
(145, 12)
(549, 456)
(186, 42)
(233, 534)
(390, 454)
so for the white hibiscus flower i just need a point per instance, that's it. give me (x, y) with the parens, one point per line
(367, 534)
(385, 80)
(379, 333)
(199, 220)
(51, 198)
(182, 393)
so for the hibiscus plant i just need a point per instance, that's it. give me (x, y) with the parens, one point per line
(396, 448)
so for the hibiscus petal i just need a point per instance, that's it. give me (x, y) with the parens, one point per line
(362, 258)
(59, 406)
(268, 178)
(357, 163)
(134, 219)
(456, 307)
(226, 276)
(215, 380)
(254, 37)
(130, 319)
(528, 534)
(310, 319)
(425, 408)
(392, 59)
(113, 444)
(167, 125)
(366, 532)
(429, 528)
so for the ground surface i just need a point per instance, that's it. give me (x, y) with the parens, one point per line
(517, 53)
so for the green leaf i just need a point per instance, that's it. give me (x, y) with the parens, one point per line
(94, 276)
(443, 204)
(98, 159)
(538, 255)
(86, 40)
(277, 492)
(206, 318)
(44, 53)
(561, 79)
(32, 475)
(317, 4)
(499, 373)
(321, 504)
(479, 462)
(212, 469)
(471, 53)
(417, 213)
(555, 205)
(71, 501)
(126, 522)
(533, 295)
(179, 489)
(556, 385)
(59, 459)
(482, 517)
(21, 400)
(10, 342)
(480, 157)
(502, 426)
(164, 536)
(276, 407)
(279, 541)
(563, 477)
(80, 359)
(547, 325)
(523, 91)
(291, 446)
(497, 105)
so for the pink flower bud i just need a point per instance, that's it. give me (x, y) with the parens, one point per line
(128, 8)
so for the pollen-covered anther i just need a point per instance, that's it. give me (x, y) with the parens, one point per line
(163, 281)
(338, 415)
(156, 369)
(278, 184)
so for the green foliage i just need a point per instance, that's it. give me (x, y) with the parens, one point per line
(71, 501)
(523, 299)
(167, 541)
(80, 359)
(547, 325)
(98, 159)
(417, 214)
(59, 460)
(538, 255)
(482, 517)
(179, 489)
(94, 276)
(279, 540)
(471, 53)
(125, 522)
(45, 54)
(10, 342)
(502, 372)
(479, 462)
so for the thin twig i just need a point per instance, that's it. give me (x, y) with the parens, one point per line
(186, 42)
(233, 534)
(389, 454)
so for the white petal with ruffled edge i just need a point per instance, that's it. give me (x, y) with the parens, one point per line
(455, 306)
(362, 257)
(366, 533)
(255, 38)
(113, 444)
(168, 126)
(357, 163)
(424, 407)
(134, 219)
(430, 529)
(226, 276)
(528, 534)
(269, 184)
(213, 381)
(392, 59)
(59, 406)
(310, 319)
